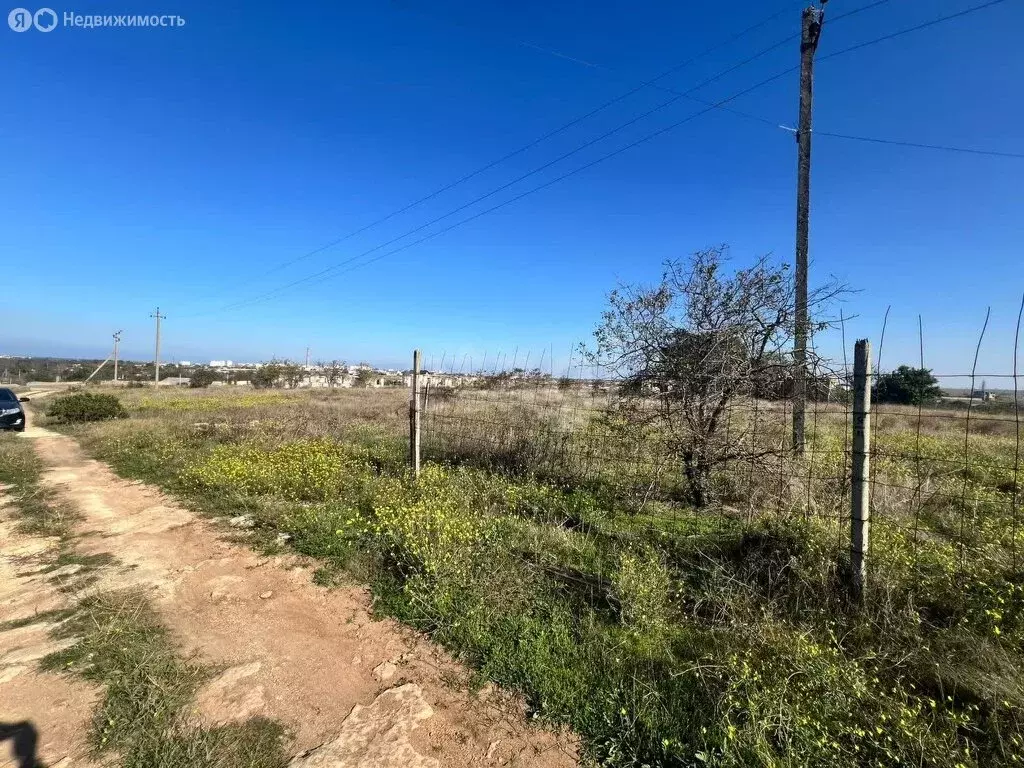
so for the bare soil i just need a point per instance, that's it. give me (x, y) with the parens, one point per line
(352, 690)
(41, 715)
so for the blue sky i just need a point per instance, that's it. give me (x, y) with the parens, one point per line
(178, 167)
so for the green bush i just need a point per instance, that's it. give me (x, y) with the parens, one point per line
(202, 378)
(267, 376)
(907, 386)
(85, 406)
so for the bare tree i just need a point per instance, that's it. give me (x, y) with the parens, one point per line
(292, 374)
(335, 372)
(685, 350)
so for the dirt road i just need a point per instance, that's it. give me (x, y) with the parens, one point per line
(351, 690)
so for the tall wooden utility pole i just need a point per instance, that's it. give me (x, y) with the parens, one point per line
(812, 20)
(159, 317)
(117, 341)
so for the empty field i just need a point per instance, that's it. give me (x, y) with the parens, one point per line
(553, 549)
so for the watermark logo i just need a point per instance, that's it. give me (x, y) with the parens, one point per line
(46, 20)
(20, 20)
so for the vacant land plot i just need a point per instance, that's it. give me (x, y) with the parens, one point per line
(551, 550)
(202, 652)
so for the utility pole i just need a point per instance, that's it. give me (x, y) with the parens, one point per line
(812, 19)
(159, 317)
(307, 358)
(117, 340)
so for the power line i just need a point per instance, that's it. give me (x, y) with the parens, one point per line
(618, 74)
(325, 272)
(908, 30)
(731, 110)
(651, 83)
(750, 116)
(560, 158)
(677, 96)
(550, 134)
(917, 145)
(661, 131)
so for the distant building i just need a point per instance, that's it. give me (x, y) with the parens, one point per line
(221, 363)
(184, 362)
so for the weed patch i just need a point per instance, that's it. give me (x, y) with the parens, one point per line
(43, 617)
(38, 510)
(663, 635)
(143, 720)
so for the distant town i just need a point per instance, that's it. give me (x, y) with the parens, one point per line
(14, 369)
(216, 373)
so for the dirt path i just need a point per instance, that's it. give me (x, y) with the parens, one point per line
(352, 691)
(41, 714)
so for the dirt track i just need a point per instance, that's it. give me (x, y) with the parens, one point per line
(373, 693)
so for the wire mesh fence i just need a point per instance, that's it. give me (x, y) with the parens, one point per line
(943, 485)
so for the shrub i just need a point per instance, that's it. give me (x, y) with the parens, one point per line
(85, 406)
(907, 386)
(442, 394)
(267, 376)
(202, 377)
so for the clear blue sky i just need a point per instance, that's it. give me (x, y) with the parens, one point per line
(175, 167)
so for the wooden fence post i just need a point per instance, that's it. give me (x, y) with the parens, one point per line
(860, 513)
(414, 416)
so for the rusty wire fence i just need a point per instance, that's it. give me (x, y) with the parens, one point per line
(942, 484)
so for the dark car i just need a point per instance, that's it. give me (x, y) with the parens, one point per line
(12, 415)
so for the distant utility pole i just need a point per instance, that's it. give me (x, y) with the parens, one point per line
(117, 340)
(812, 20)
(307, 357)
(159, 317)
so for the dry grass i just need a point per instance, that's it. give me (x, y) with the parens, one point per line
(281, 415)
(664, 635)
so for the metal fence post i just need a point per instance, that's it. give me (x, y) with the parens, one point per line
(414, 416)
(860, 513)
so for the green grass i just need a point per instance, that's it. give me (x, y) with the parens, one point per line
(87, 562)
(663, 636)
(43, 617)
(143, 720)
(37, 508)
